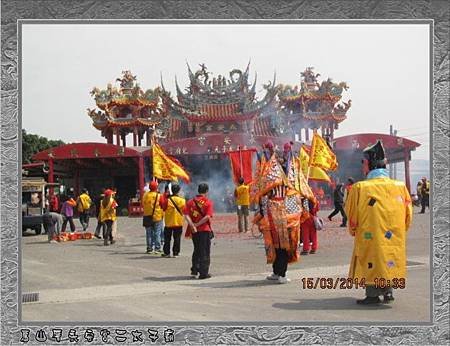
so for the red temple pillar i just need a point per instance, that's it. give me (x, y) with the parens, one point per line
(407, 177)
(117, 136)
(50, 176)
(134, 138)
(141, 176)
(306, 134)
(109, 137)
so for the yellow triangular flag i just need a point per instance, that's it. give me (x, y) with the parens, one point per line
(315, 173)
(165, 168)
(301, 184)
(321, 155)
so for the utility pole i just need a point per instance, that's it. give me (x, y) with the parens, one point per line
(391, 132)
(395, 165)
(392, 166)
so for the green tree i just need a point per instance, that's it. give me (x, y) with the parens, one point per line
(32, 144)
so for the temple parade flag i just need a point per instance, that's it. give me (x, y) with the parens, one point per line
(321, 155)
(166, 168)
(315, 173)
(241, 164)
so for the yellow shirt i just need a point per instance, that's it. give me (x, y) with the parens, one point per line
(243, 195)
(148, 201)
(84, 202)
(108, 212)
(172, 217)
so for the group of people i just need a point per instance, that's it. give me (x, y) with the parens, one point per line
(164, 213)
(286, 216)
(288, 205)
(57, 216)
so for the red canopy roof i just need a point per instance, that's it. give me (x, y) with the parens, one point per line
(363, 140)
(85, 151)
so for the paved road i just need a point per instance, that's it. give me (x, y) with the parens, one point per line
(85, 281)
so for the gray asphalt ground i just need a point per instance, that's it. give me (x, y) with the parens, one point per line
(86, 281)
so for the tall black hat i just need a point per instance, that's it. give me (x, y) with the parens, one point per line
(375, 155)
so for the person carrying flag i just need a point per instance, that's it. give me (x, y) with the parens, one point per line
(153, 218)
(279, 189)
(242, 195)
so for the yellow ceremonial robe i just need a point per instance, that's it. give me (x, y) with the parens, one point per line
(379, 212)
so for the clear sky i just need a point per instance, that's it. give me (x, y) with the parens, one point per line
(385, 66)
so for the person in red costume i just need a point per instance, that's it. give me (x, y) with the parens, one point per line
(308, 229)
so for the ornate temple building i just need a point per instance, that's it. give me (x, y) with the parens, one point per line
(313, 106)
(127, 110)
(199, 125)
(214, 115)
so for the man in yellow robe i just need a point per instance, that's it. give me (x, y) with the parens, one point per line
(379, 212)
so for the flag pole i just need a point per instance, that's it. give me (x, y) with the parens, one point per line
(152, 143)
(311, 154)
(307, 173)
(240, 161)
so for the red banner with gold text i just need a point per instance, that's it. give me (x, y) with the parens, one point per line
(241, 165)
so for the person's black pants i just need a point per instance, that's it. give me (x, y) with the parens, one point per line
(281, 262)
(372, 291)
(84, 220)
(176, 233)
(71, 223)
(49, 225)
(425, 201)
(107, 234)
(100, 225)
(200, 256)
(339, 208)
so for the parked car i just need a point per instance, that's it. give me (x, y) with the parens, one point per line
(33, 203)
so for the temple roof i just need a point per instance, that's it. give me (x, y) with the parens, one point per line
(126, 105)
(314, 100)
(363, 140)
(218, 99)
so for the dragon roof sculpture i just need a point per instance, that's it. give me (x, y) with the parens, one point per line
(207, 98)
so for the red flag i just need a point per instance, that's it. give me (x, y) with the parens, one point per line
(241, 165)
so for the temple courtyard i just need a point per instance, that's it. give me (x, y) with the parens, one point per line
(85, 281)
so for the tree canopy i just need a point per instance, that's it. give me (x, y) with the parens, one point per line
(32, 144)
